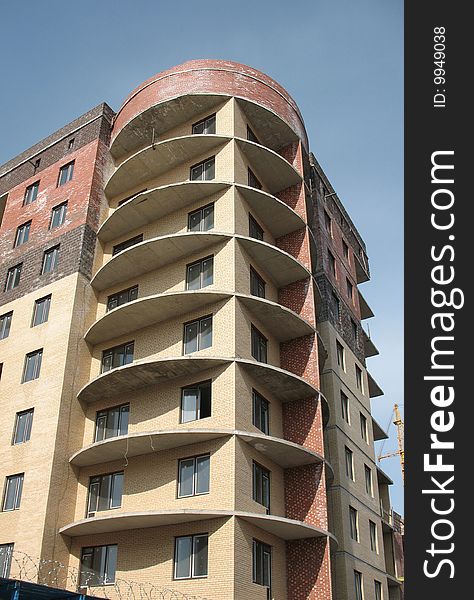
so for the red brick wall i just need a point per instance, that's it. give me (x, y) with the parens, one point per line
(299, 297)
(305, 495)
(300, 356)
(308, 569)
(303, 424)
(294, 197)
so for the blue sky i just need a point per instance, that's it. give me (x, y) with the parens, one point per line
(341, 60)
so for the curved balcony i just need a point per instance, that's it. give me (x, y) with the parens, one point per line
(157, 252)
(282, 452)
(154, 160)
(286, 529)
(155, 204)
(158, 308)
(284, 385)
(274, 132)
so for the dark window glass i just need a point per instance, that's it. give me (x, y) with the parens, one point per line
(31, 193)
(261, 485)
(98, 565)
(378, 590)
(65, 173)
(105, 493)
(196, 402)
(335, 306)
(373, 536)
(193, 476)
(5, 325)
(22, 234)
(50, 260)
(70, 144)
(111, 422)
(368, 481)
(260, 412)
(358, 585)
(198, 335)
(349, 463)
(363, 427)
(122, 297)
(190, 557)
(117, 357)
(353, 524)
(358, 373)
(257, 284)
(327, 223)
(251, 136)
(207, 125)
(345, 250)
(259, 345)
(200, 274)
(127, 244)
(255, 231)
(6, 553)
(262, 563)
(201, 219)
(23, 423)
(58, 215)
(13, 277)
(355, 330)
(332, 264)
(345, 407)
(12, 494)
(253, 181)
(350, 289)
(340, 356)
(203, 171)
(41, 311)
(32, 366)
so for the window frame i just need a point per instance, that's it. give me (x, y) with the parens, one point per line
(5, 324)
(204, 121)
(126, 244)
(345, 408)
(373, 537)
(106, 412)
(54, 253)
(369, 481)
(67, 168)
(359, 379)
(354, 523)
(126, 353)
(45, 311)
(13, 274)
(349, 461)
(254, 227)
(256, 283)
(202, 217)
(199, 322)
(350, 289)
(19, 479)
(259, 401)
(195, 460)
(26, 429)
(127, 291)
(259, 551)
(34, 188)
(257, 336)
(192, 557)
(6, 554)
(332, 264)
(341, 355)
(38, 357)
(198, 387)
(252, 180)
(60, 209)
(200, 262)
(203, 163)
(251, 137)
(378, 589)
(364, 427)
(359, 585)
(102, 578)
(20, 234)
(101, 481)
(260, 493)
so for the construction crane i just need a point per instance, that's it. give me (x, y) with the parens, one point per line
(398, 422)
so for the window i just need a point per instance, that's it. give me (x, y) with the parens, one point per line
(261, 485)
(340, 355)
(350, 289)
(12, 494)
(36, 166)
(1, 370)
(345, 408)
(373, 537)
(369, 488)
(65, 173)
(122, 297)
(359, 591)
(190, 556)
(105, 493)
(207, 125)
(327, 223)
(6, 553)
(355, 331)
(201, 219)
(196, 402)
(358, 372)
(335, 306)
(259, 345)
(50, 260)
(363, 428)
(349, 463)
(260, 412)
(22, 234)
(13, 277)
(198, 335)
(31, 193)
(345, 250)
(32, 367)
(23, 423)
(253, 181)
(203, 171)
(193, 476)
(5, 325)
(378, 590)
(70, 144)
(98, 565)
(251, 136)
(127, 244)
(332, 264)
(111, 422)
(257, 284)
(255, 231)
(117, 357)
(261, 563)
(41, 311)
(200, 274)
(58, 215)
(354, 525)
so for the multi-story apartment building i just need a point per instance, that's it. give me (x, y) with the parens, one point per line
(185, 400)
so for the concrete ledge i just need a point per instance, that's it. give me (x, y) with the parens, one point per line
(374, 389)
(283, 452)
(286, 529)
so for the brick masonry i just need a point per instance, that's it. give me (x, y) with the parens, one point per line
(309, 576)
